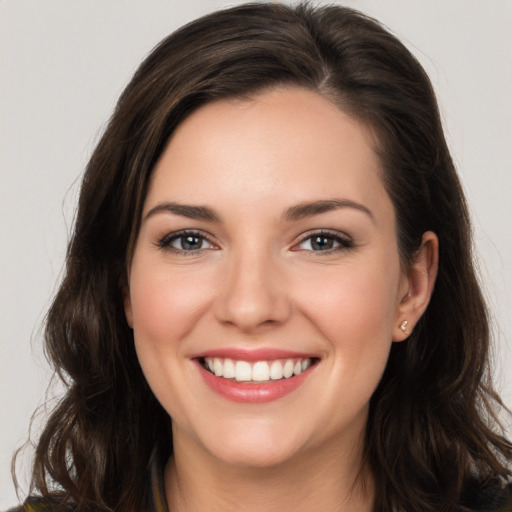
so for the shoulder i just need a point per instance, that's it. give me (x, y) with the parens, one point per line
(479, 497)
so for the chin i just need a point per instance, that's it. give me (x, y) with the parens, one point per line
(255, 456)
(260, 447)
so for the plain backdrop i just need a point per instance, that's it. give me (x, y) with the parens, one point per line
(63, 63)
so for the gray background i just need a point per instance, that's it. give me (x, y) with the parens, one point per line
(64, 62)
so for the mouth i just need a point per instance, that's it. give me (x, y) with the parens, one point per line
(256, 371)
(255, 377)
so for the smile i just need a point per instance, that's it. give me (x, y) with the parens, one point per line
(256, 371)
(257, 376)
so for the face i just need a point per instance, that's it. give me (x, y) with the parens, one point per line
(265, 287)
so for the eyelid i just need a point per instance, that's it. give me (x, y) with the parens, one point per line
(345, 241)
(164, 242)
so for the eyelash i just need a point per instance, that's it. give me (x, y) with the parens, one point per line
(344, 242)
(167, 240)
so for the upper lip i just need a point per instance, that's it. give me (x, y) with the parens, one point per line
(257, 354)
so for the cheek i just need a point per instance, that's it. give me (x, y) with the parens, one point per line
(166, 306)
(354, 298)
(354, 310)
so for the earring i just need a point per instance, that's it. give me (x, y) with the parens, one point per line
(403, 325)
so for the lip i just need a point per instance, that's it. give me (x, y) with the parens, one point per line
(252, 392)
(251, 355)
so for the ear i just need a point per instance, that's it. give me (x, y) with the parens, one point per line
(127, 302)
(416, 287)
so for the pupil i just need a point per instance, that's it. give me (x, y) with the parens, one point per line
(190, 242)
(322, 243)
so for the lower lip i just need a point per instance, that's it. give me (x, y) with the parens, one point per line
(252, 393)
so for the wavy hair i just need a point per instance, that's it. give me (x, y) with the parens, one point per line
(432, 424)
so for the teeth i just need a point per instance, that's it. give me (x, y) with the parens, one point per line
(258, 371)
(288, 368)
(217, 367)
(229, 369)
(242, 370)
(276, 370)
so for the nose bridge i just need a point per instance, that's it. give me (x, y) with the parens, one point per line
(253, 292)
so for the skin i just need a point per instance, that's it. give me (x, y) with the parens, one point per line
(258, 282)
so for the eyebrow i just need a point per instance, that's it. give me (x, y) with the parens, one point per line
(184, 210)
(297, 212)
(309, 209)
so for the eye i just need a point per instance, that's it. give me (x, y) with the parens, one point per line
(185, 242)
(324, 242)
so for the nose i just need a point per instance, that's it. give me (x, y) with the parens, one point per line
(253, 294)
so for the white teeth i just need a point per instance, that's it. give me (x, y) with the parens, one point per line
(217, 366)
(276, 370)
(242, 370)
(288, 368)
(229, 369)
(258, 371)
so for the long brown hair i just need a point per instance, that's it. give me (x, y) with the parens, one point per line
(432, 421)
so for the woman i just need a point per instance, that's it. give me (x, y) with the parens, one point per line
(272, 248)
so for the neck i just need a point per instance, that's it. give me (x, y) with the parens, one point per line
(335, 481)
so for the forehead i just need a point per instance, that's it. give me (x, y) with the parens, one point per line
(286, 143)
